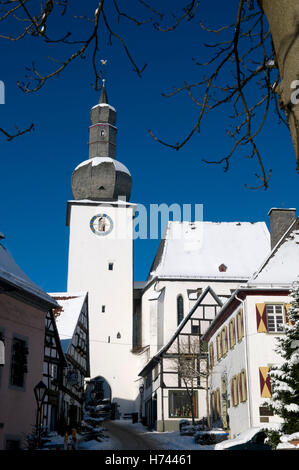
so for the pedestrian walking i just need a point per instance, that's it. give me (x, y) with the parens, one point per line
(66, 439)
(74, 439)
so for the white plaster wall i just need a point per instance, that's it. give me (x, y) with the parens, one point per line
(89, 255)
(230, 365)
(261, 353)
(254, 351)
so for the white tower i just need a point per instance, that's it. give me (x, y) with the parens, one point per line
(101, 255)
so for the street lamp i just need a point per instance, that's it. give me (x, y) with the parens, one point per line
(141, 391)
(40, 391)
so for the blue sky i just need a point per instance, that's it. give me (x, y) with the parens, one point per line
(36, 168)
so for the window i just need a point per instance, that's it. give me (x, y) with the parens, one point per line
(12, 444)
(180, 309)
(274, 318)
(110, 266)
(180, 405)
(195, 327)
(18, 362)
(103, 308)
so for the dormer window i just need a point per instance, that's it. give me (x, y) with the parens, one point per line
(222, 268)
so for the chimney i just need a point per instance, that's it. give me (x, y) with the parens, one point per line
(280, 221)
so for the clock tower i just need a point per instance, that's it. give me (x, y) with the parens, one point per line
(100, 218)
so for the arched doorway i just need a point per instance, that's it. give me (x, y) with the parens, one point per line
(98, 389)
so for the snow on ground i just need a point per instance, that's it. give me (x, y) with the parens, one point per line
(285, 441)
(166, 440)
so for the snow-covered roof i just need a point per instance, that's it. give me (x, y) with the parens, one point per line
(95, 161)
(12, 274)
(67, 315)
(211, 250)
(281, 267)
(104, 105)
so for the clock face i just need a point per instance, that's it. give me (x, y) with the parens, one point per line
(101, 224)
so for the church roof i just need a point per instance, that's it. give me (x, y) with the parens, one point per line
(211, 250)
(12, 274)
(281, 267)
(67, 314)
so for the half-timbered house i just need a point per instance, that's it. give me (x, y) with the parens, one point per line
(54, 363)
(174, 379)
(72, 323)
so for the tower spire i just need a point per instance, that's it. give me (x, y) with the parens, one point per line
(103, 97)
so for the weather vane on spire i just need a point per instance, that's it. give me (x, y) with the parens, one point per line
(104, 62)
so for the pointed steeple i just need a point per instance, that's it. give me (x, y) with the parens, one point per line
(102, 132)
(103, 97)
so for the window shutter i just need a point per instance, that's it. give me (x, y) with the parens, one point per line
(211, 355)
(234, 332)
(232, 391)
(218, 402)
(244, 386)
(261, 318)
(242, 323)
(226, 340)
(239, 386)
(230, 334)
(265, 382)
(287, 308)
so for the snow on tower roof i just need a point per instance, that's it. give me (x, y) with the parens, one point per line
(67, 314)
(95, 161)
(211, 250)
(281, 267)
(12, 274)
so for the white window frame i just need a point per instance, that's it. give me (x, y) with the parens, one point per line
(275, 316)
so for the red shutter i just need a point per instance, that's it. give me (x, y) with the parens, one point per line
(261, 318)
(287, 308)
(265, 382)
